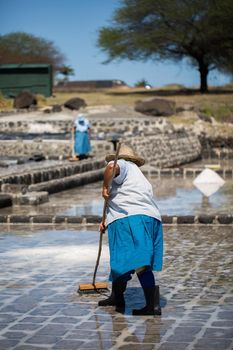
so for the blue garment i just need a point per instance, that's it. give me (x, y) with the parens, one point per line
(135, 241)
(82, 144)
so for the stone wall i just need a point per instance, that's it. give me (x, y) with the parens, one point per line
(168, 149)
(219, 147)
(99, 125)
(162, 150)
(51, 149)
(46, 174)
(154, 138)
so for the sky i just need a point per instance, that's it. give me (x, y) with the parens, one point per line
(73, 25)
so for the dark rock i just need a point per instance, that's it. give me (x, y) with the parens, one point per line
(156, 107)
(205, 117)
(37, 158)
(47, 110)
(25, 99)
(75, 103)
(56, 108)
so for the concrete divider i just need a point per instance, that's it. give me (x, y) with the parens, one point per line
(66, 183)
(95, 220)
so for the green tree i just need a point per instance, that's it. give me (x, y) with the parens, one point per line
(195, 30)
(66, 71)
(20, 47)
(142, 83)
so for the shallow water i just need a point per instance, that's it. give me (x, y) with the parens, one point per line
(40, 308)
(175, 196)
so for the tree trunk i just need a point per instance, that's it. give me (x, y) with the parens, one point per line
(204, 70)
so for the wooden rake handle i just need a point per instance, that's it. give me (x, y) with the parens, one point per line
(104, 212)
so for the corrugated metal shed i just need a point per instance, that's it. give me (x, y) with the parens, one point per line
(36, 78)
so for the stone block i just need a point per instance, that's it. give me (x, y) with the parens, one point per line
(155, 172)
(18, 219)
(178, 171)
(93, 219)
(225, 219)
(189, 173)
(5, 200)
(228, 172)
(14, 188)
(165, 172)
(3, 218)
(74, 220)
(31, 198)
(188, 219)
(59, 219)
(167, 219)
(42, 219)
(206, 219)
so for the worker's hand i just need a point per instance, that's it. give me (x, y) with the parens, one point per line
(105, 193)
(102, 227)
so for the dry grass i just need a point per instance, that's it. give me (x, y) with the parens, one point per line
(129, 96)
(5, 103)
(217, 103)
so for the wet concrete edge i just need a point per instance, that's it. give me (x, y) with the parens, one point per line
(94, 219)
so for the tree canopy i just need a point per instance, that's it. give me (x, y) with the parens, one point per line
(66, 71)
(20, 47)
(196, 30)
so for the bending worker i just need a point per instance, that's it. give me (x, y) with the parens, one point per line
(135, 233)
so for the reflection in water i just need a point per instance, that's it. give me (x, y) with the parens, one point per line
(205, 202)
(141, 331)
(174, 196)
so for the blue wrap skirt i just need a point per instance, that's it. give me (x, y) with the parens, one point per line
(82, 143)
(135, 241)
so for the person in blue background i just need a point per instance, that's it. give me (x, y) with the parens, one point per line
(82, 145)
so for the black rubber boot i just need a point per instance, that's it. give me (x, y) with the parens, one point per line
(117, 296)
(158, 310)
(119, 288)
(110, 301)
(152, 302)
